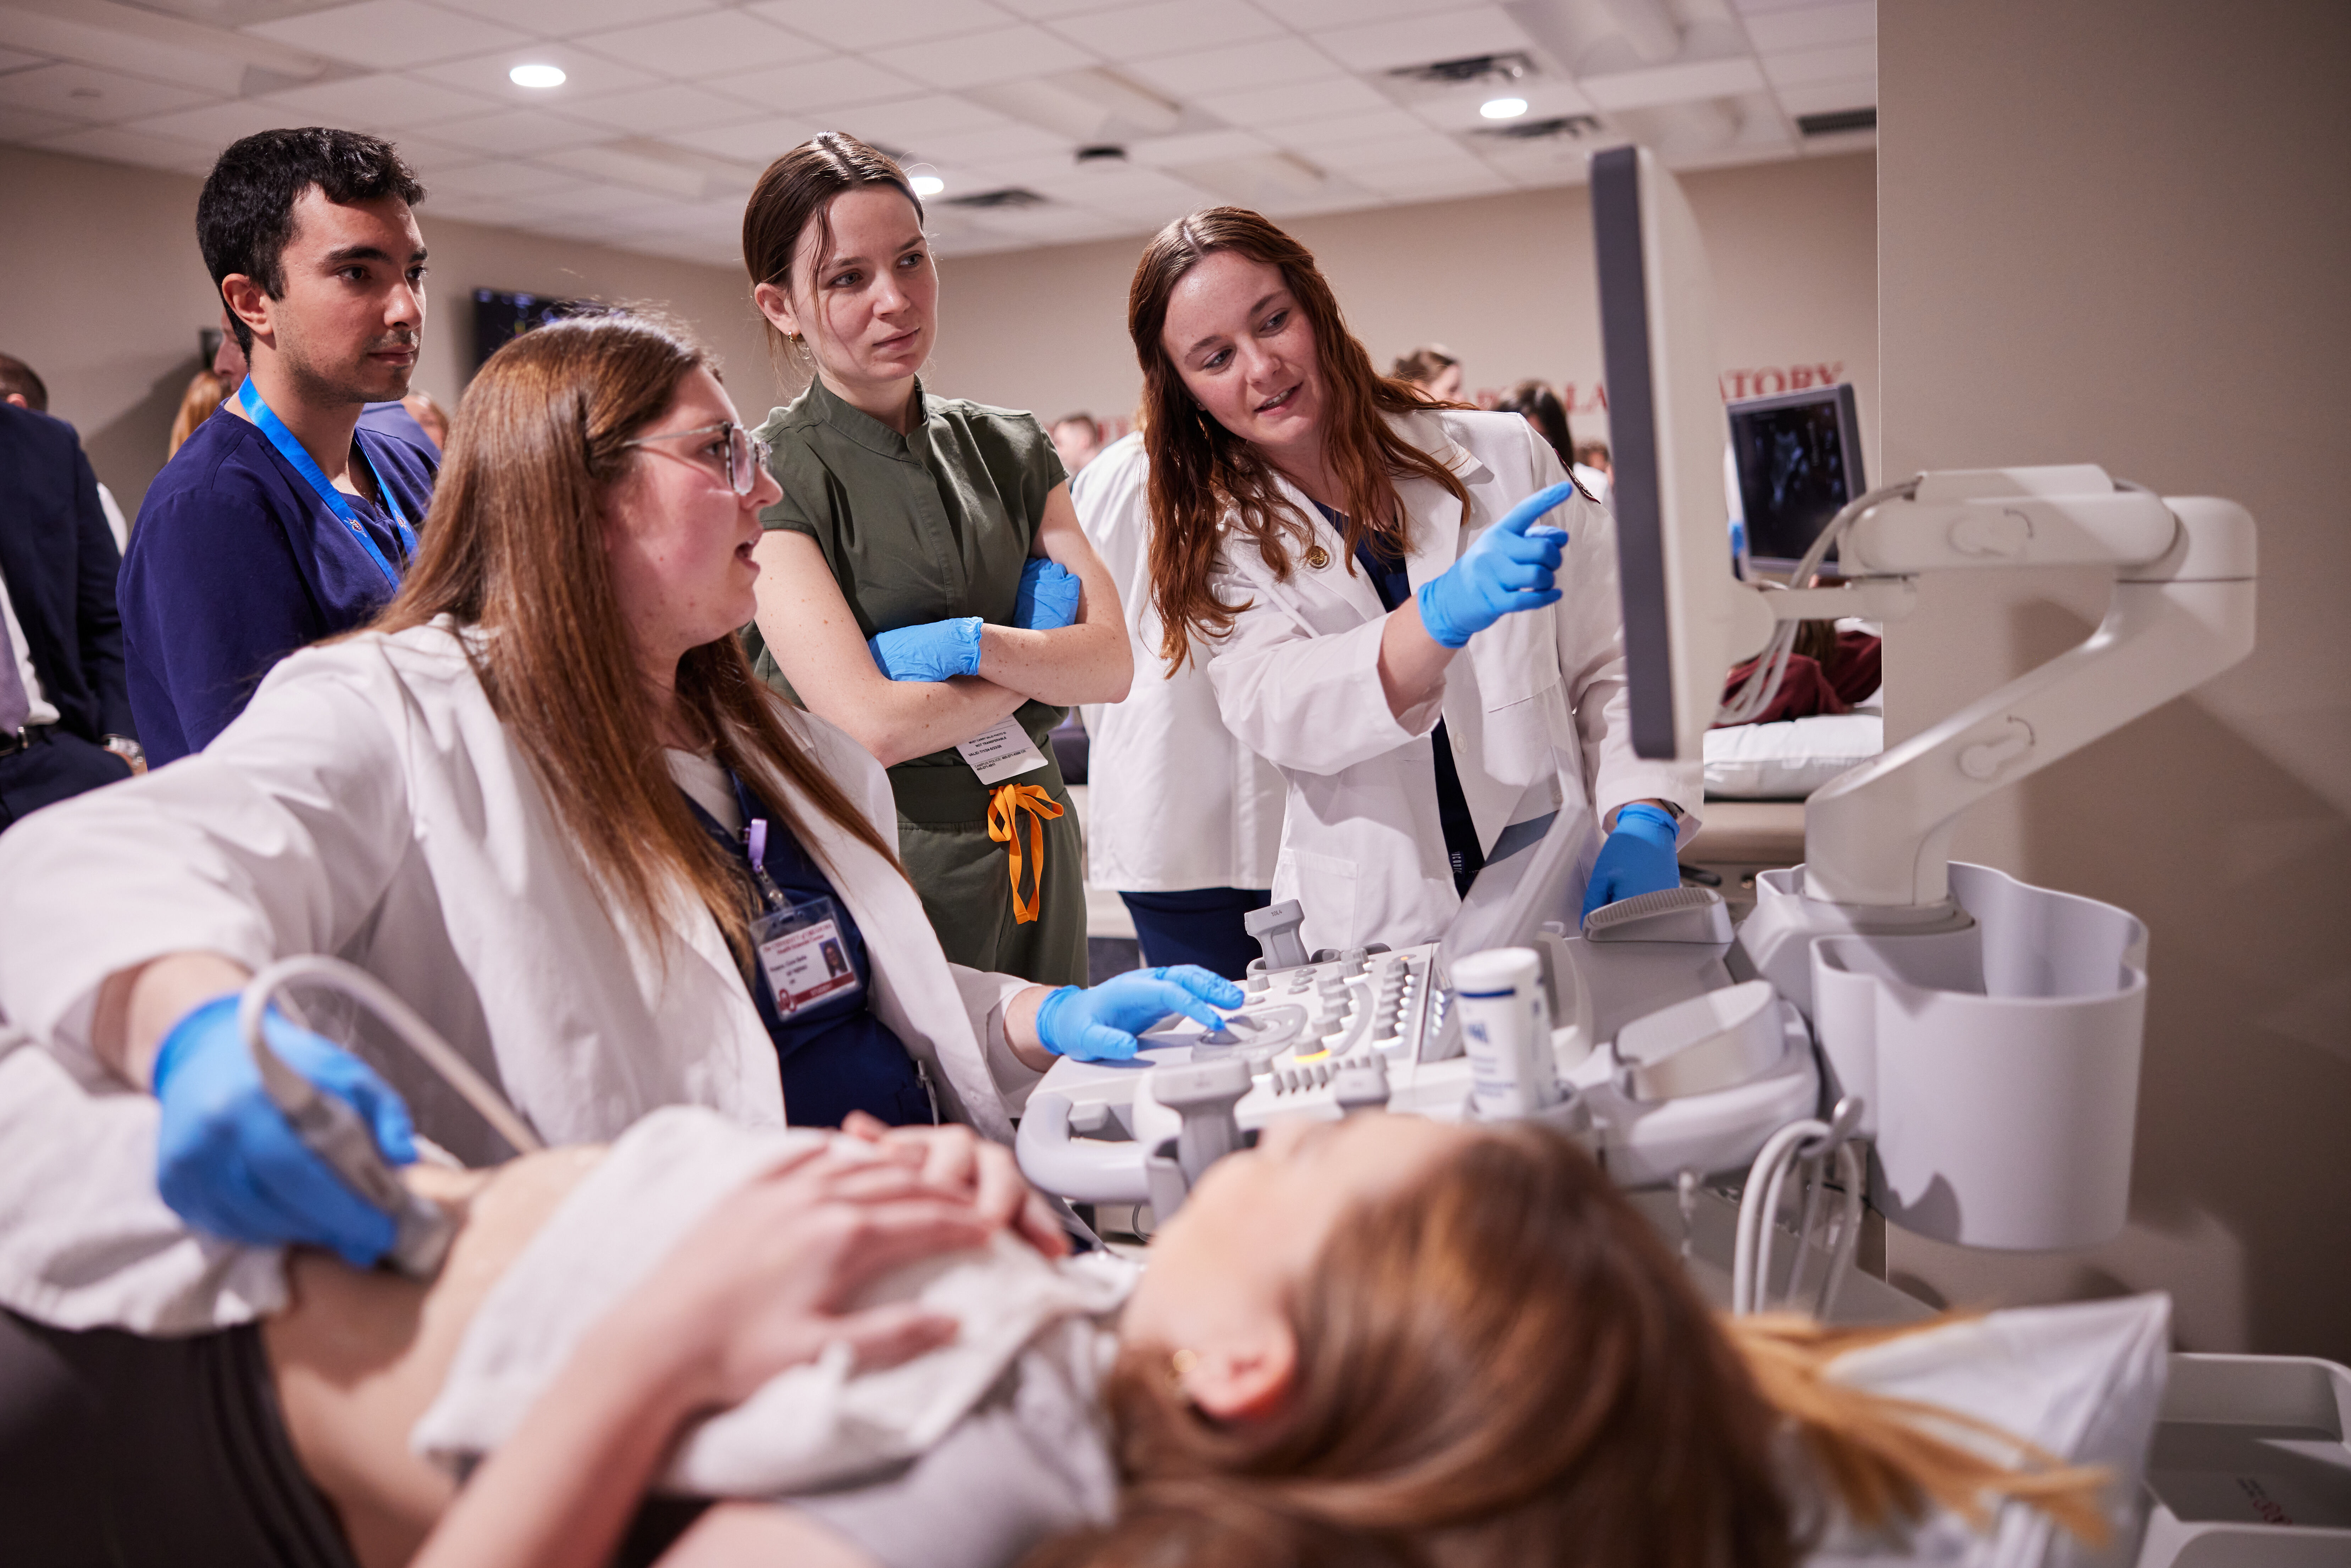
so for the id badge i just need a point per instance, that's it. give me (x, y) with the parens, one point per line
(801, 951)
(1003, 752)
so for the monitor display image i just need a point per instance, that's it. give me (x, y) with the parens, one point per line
(500, 318)
(1798, 455)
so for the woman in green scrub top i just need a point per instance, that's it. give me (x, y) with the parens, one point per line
(924, 582)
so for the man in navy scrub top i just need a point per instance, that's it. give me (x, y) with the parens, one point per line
(278, 522)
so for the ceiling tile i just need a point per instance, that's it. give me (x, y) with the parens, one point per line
(24, 124)
(1429, 181)
(1165, 151)
(694, 46)
(1812, 27)
(1005, 53)
(116, 146)
(1312, 15)
(565, 18)
(1430, 146)
(1136, 32)
(759, 142)
(215, 125)
(1828, 97)
(1417, 40)
(432, 159)
(387, 34)
(503, 177)
(1389, 124)
(1546, 98)
(1673, 84)
(518, 132)
(1009, 140)
(871, 26)
(585, 75)
(1295, 101)
(385, 102)
(94, 97)
(1838, 62)
(1234, 68)
(827, 84)
(52, 32)
(659, 110)
(17, 60)
(925, 122)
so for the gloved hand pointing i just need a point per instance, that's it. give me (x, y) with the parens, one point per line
(934, 650)
(1049, 597)
(1638, 858)
(1509, 566)
(227, 1159)
(1099, 1024)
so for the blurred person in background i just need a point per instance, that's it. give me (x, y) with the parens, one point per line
(64, 713)
(428, 416)
(1433, 369)
(1594, 454)
(22, 387)
(206, 392)
(1542, 408)
(1078, 438)
(1183, 821)
(283, 523)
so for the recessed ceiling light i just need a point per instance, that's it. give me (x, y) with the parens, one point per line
(547, 75)
(928, 184)
(1502, 108)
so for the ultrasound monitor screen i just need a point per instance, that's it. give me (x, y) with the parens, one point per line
(1799, 463)
(500, 318)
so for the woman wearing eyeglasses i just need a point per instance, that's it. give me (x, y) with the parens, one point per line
(544, 798)
(924, 583)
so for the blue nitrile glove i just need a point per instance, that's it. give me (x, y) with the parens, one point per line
(934, 650)
(1100, 1023)
(1638, 858)
(1049, 597)
(1509, 566)
(227, 1159)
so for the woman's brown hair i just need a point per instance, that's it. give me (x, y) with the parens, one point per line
(797, 190)
(514, 545)
(1506, 1365)
(1201, 471)
(206, 392)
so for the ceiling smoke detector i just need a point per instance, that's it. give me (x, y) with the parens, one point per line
(1010, 198)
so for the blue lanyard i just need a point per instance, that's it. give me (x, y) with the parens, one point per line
(336, 502)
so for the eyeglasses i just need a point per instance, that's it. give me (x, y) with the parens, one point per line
(747, 454)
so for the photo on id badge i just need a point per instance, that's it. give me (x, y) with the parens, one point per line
(801, 949)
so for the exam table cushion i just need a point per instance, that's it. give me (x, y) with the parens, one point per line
(1789, 758)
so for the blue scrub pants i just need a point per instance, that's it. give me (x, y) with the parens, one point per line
(1198, 925)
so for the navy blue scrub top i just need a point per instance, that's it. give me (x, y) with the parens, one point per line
(836, 1055)
(1393, 584)
(234, 563)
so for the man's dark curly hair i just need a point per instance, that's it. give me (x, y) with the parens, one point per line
(246, 214)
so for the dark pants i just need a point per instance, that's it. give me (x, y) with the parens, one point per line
(1198, 925)
(57, 765)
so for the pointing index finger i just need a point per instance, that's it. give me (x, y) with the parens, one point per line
(1547, 499)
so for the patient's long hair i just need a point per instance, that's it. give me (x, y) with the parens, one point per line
(514, 544)
(1506, 1365)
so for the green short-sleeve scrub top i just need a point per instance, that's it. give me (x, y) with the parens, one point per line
(920, 527)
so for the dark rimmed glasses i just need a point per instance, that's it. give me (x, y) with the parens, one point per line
(747, 454)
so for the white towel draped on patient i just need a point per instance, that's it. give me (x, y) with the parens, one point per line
(813, 1426)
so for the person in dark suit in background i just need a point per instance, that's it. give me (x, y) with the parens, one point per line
(65, 710)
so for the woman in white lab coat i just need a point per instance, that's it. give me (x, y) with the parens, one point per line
(520, 800)
(1183, 821)
(1385, 610)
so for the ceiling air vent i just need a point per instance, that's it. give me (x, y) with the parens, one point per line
(1563, 127)
(1841, 119)
(1509, 66)
(1010, 197)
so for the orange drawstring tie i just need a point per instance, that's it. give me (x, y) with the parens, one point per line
(1003, 809)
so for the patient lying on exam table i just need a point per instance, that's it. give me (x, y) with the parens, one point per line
(1360, 1342)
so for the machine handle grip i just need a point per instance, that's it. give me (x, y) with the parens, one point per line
(1083, 1170)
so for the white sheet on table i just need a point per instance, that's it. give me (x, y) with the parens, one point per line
(810, 1426)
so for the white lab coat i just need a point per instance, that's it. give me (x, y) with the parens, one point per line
(370, 804)
(1297, 679)
(1173, 800)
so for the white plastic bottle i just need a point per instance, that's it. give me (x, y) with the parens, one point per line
(1506, 1031)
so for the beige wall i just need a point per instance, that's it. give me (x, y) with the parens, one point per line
(2119, 231)
(105, 292)
(1506, 282)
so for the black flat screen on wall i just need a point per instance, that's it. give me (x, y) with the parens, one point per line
(500, 318)
(1798, 461)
